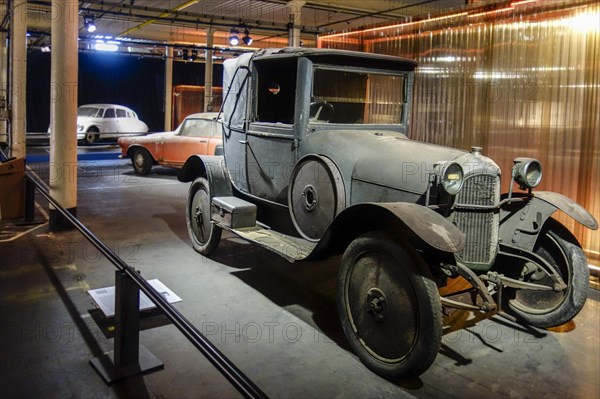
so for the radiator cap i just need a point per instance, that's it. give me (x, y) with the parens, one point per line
(476, 150)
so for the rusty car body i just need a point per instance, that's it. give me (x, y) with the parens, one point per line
(317, 161)
(199, 133)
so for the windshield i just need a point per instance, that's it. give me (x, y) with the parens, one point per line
(357, 97)
(88, 111)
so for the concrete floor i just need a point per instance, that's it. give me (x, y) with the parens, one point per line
(275, 320)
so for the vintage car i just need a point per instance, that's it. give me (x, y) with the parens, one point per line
(317, 162)
(101, 121)
(197, 134)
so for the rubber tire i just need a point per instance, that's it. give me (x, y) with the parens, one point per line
(199, 195)
(91, 136)
(428, 320)
(141, 161)
(554, 240)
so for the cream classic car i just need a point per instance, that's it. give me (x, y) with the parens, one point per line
(100, 121)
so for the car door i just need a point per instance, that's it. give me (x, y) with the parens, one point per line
(192, 138)
(123, 123)
(271, 136)
(110, 122)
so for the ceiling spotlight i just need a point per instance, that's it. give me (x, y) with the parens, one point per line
(234, 39)
(247, 39)
(89, 23)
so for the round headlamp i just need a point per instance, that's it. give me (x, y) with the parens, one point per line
(450, 176)
(527, 172)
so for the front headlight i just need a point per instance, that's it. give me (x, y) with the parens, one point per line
(450, 176)
(79, 128)
(527, 172)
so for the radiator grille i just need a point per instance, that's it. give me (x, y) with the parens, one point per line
(479, 226)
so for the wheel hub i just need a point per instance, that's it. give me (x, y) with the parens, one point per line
(376, 304)
(310, 197)
(198, 215)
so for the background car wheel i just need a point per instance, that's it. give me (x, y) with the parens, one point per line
(551, 308)
(142, 161)
(91, 136)
(389, 306)
(205, 235)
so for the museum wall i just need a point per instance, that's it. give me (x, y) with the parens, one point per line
(519, 82)
(112, 78)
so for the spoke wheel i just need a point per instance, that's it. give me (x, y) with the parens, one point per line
(204, 234)
(389, 306)
(552, 308)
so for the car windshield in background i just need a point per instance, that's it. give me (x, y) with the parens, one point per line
(360, 97)
(196, 128)
(88, 111)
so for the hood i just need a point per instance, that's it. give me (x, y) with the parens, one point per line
(379, 156)
(87, 119)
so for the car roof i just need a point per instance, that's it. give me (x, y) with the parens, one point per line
(203, 115)
(107, 106)
(338, 57)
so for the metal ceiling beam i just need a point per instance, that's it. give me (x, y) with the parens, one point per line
(185, 17)
(165, 14)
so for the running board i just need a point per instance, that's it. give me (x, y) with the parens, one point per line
(291, 248)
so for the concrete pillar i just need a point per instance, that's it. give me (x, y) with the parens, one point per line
(295, 7)
(208, 72)
(63, 110)
(18, 87)
(169, 89)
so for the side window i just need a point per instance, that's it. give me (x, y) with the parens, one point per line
(109, 113)
(129, 115)
(276, 91)
(100, 113)
(196, 128)
(121, 113)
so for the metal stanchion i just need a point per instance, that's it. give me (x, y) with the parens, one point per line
(129, 358)
(29, 202)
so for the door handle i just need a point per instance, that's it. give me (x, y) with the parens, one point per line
(243, 141)
(203, 141)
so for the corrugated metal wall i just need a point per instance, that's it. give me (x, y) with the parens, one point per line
(521, 81)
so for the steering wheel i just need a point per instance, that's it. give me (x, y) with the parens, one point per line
(320, 111)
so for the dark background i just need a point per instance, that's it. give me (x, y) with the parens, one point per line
(135, 82)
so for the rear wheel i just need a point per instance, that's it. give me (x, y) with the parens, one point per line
(389, 306)
(552, 308)
(142, 161)
(204, 234)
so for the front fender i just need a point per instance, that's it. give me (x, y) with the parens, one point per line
(568, 206)
(210, 167)
(521, 221)
(398, 217)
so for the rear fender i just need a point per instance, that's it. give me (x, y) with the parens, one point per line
(522, 222)
(210, 167)
(405, 219)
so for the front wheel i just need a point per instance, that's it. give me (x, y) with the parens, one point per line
(552, 308)
(204, 234)
(389, 306)
(91, 136)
